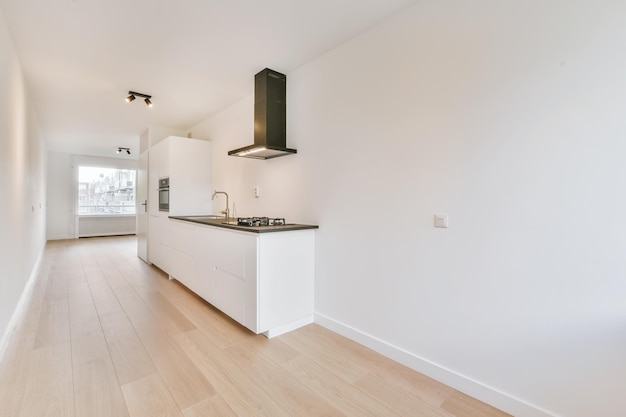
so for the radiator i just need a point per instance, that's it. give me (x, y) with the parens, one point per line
(106, 225)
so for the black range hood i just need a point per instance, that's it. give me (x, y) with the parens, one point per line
(270, 120)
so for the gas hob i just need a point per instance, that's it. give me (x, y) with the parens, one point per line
(260, 221)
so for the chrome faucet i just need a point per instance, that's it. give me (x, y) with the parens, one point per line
(225, 212)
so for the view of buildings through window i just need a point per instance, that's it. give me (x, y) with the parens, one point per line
(106, 190)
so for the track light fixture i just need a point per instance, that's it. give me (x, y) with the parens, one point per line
(133, 95)
(119, 150)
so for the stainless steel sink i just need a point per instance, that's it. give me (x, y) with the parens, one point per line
(210, 218)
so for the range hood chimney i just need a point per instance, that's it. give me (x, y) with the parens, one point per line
(270, 120)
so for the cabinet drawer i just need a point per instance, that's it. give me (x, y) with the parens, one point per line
(230, 252)
(203, 262)
(229, 294)
(181, 237)
(183, 269)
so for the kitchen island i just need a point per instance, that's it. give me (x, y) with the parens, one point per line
(259, 277)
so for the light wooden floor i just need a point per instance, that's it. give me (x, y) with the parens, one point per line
(104, 334)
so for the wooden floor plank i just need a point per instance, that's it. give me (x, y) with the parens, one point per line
(53, 327)
(130, 358)
(297, 399)
(223, 330)
(274, 349)
(96, 389)
(97, 392)
(213, 407)
(149, 397)
(244, 395)
(186, 383)
(401, 402)
(394, 373)
(103, 297)
(461, 405)
(13, 379)
(167, 314)
(333, 358)
(49, 387)
(84, 319)
(342, 395)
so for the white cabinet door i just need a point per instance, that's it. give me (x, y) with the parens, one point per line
(187, 164)
(235, 276)
(181, 243)
(286, 278)
(164, 258)
(190, 176)
(203, 262)
(230, 294)
(183, 267)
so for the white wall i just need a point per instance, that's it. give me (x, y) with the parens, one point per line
(63, 190)
(155, 134)
(22, 183)
(507, 116)
(279, 180)
(61, 197)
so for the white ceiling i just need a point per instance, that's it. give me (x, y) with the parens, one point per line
(195, 57)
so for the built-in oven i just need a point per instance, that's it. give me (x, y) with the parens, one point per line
(164, 194)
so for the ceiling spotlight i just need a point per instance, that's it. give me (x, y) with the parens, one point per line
(119, 150)
(133, 95)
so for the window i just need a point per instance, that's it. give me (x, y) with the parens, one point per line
(106, 190)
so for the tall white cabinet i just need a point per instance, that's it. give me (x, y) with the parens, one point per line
(187, 163)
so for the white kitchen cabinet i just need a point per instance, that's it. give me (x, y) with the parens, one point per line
(285, 281)
(187, 163)
(262, 280)
(235, 275)
(182, 252)
(203, 262)
(159, 236)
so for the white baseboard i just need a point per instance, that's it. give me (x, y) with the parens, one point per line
(469, 386)
(285, 328)
(127, 233)
(60, 237)
(4, 342)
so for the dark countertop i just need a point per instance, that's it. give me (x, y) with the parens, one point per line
(219, 222)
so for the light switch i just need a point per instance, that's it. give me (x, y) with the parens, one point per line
(441, 220)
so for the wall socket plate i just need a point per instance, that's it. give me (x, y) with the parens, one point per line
(256, 192)
(441, 220)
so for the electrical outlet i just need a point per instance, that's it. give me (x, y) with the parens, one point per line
(256, 192)
(441, 220)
